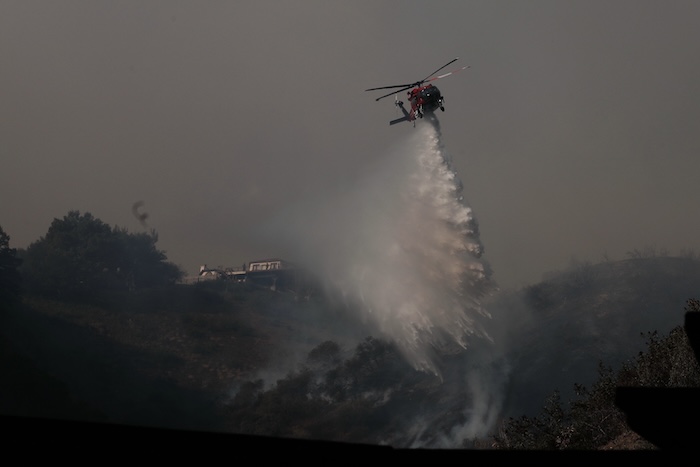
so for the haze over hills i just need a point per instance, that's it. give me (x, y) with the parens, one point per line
(591, 313)
(178, 358)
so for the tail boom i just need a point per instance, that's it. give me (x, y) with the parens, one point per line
(406, 116)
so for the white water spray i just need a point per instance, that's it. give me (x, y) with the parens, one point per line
(403, 246)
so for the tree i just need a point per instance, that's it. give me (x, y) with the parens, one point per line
(10, 279)
(81, 256)
(550, 430)
(593, 419)
(142, 264)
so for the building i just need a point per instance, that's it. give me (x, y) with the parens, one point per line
(274, 273)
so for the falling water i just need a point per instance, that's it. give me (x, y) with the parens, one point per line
(402, 246)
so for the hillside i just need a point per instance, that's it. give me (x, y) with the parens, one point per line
(560, 329)
(181, 347)
(176, 357)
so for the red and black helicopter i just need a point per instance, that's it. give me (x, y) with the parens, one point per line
(424, 99)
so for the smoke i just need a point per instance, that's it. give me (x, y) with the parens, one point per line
(482, 387)
(401, 245)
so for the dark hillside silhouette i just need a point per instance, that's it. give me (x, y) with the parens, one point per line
(565, 325)
(171, 357)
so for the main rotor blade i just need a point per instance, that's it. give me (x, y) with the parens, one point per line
(395, 92)
(394, 86)
(447, 74)
(446, 64)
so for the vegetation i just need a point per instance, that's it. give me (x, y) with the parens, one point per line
(331, 398)
(168, 354)
(10, 281)
(81, 257)
(566, 324)
(593, 421)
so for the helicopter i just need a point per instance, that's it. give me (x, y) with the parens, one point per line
(424, 99)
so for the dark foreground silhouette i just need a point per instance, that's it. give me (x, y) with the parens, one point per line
(666, 417)
(97, 442)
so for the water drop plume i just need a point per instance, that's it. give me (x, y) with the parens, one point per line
(401, 246)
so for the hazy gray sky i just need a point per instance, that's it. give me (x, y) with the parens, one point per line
(575, 130)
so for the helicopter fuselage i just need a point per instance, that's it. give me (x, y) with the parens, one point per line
(425, 99)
